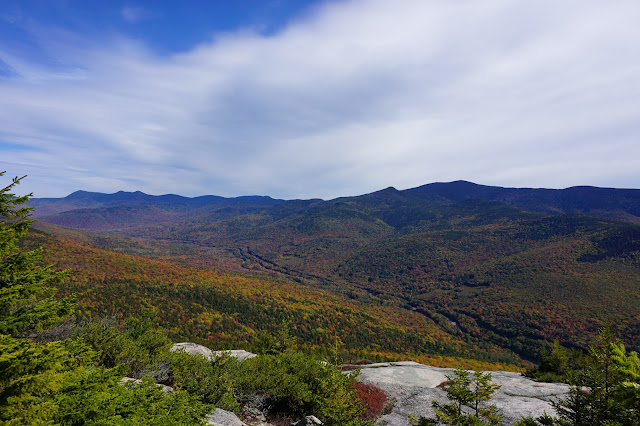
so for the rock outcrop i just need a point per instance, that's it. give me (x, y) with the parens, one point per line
(192, 349)
(240, 355)
(308, 421)
(414, 387)
(219, 417)
(195, 349)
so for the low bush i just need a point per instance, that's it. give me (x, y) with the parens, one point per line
(373, 399)
(211, 380)
(292, 383)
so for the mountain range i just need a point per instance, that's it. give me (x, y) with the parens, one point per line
(610, 203)
(503, 269)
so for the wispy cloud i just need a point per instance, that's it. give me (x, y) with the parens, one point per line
(358, 96)
(134, 14)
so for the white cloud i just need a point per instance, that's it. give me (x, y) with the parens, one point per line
(356, 97)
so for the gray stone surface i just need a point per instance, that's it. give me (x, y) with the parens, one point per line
(219, 417)
(308, 421)
(195, 349)
(192, 349)
(240, 355)
(414, 387)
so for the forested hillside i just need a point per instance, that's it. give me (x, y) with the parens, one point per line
(229, 310)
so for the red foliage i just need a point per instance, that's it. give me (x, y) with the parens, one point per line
(373, 398)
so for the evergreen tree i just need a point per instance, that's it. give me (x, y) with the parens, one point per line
(468, 394)
(27, 289)
(555, 364)
(28, 372)
(606, 390)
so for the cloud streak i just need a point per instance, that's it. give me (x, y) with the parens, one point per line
(353, 97)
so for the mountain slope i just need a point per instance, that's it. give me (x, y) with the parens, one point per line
(609, 203)
(516, 285)
(228, 309)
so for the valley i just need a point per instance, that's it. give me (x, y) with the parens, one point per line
(454, 269)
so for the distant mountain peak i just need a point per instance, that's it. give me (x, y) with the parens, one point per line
(81, 194)
(389, 189)
(129, 193)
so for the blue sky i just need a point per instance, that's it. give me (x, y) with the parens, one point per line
(301, 99)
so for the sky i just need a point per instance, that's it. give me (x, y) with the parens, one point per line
(317, 98)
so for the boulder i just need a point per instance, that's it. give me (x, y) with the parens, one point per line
(220, 417)
(253, 415)
(239, 354)
(307, 421)
(195, 349)
(415, 386)
(192, 349)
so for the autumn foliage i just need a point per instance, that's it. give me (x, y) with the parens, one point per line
(373, 398)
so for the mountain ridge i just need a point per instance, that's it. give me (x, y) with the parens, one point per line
(610, 203)
(87, 199)
(621, 204)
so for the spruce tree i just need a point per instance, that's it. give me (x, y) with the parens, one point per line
(468, 394)
(27, 289)
(606, 390)
(28, 372)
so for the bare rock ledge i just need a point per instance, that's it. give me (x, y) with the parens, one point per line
(413, 386)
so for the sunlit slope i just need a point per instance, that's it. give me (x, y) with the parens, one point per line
(229, 309)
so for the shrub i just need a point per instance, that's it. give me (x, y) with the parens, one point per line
(134, 343)
(98, 397)
(211, 380)
(373, 399)
(291, 383)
